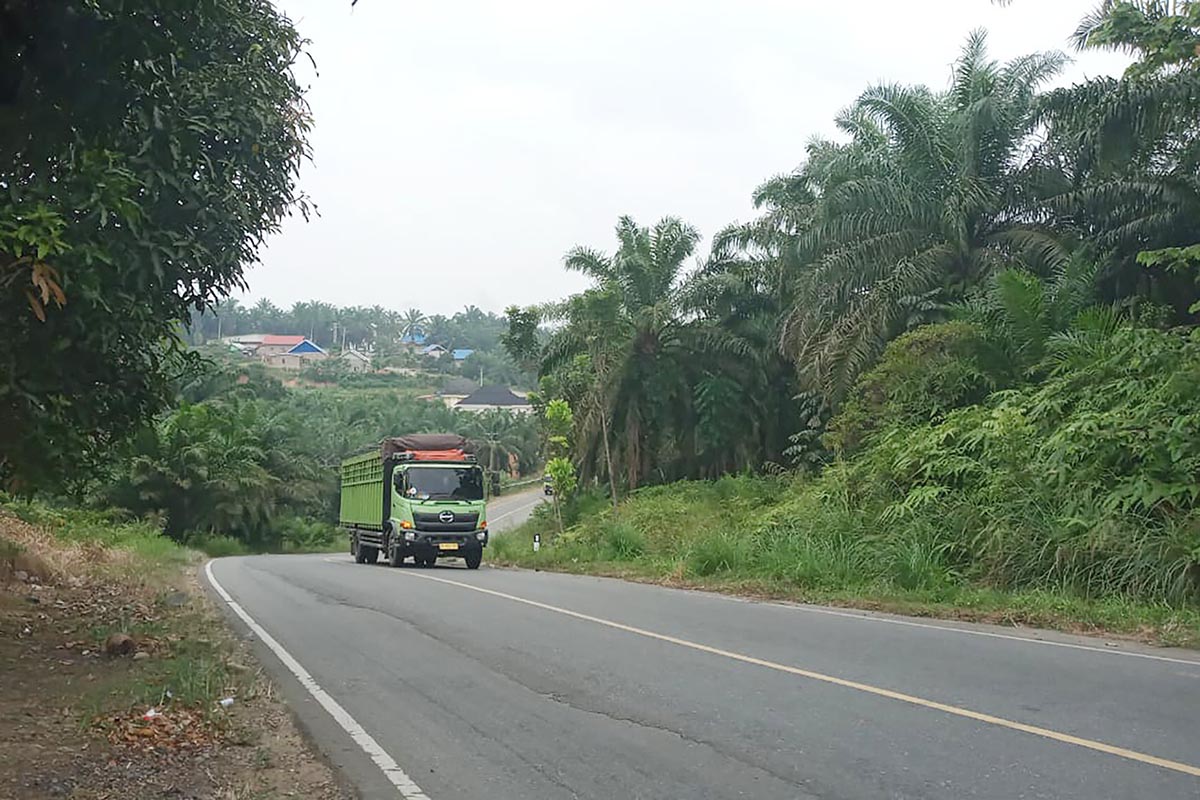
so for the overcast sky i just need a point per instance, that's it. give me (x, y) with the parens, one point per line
(460, 149)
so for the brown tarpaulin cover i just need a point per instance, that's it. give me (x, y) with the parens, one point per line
(425, 441)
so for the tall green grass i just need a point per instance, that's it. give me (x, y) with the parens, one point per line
(804, 533)
(109, 527)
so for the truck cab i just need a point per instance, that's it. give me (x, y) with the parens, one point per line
(439, 510)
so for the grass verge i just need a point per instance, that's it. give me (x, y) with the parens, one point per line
(768, 538)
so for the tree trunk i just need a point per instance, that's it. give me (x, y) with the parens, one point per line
(633, 452)
(612, 478)
(558, 514)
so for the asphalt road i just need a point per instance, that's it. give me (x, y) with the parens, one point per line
(447, 683)
(509, 512)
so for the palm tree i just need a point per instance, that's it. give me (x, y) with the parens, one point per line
(412, 324)
(644, 350)
(264, 316)
(1129, 145)
(1020, 314)
(228, 315)
(315, 320)
(498, 432)
(1163, 34)
(932, 194)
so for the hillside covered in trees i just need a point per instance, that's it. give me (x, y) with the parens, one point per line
(967, 324)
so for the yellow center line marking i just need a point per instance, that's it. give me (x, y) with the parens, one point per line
(967, 713)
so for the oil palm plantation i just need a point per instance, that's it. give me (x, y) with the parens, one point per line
(934, 192)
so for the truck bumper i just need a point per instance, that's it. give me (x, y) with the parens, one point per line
(445, 544)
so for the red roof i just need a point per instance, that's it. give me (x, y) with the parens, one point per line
(290, 341)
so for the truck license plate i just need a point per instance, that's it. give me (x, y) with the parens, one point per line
(448, 546)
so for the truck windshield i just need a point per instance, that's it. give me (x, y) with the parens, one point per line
(446, 483)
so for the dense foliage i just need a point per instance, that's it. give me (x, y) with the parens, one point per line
(971, 316)
(1083, 484)
(146, 148)
(245, 458)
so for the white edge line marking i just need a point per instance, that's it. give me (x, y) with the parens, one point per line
(866, 688)
(399, 778)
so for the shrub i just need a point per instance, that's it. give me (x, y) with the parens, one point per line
(305, 535)
(717, 552)
(217, 546)
(921, 376)
(621, 541)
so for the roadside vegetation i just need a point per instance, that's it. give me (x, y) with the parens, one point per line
(116, 666)
(246, 464)
(955, 359)
(793, 538)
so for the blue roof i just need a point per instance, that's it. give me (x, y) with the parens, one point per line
(413, 338)
(460, 354)
(431, 348)
(305, 347)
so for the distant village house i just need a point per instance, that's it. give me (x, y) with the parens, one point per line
(356, 360)
(281, 352)
(488, 398)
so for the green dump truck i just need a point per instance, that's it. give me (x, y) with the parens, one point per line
(419, 496)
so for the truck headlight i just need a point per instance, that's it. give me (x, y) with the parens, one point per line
(410, 536)
(481, 535)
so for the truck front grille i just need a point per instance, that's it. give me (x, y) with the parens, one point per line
(431, 521)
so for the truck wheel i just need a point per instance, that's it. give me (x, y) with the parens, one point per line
(356, 550)
(426, 561)
(395, 555)
(370, 554)
(473, 558)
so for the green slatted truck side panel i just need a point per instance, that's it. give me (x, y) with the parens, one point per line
(362, 491)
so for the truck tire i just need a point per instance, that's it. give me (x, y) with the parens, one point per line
(473, 558)
(356, 549)
(395, 555)
(370, 554)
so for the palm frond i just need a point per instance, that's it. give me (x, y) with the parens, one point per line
(974, 73)
(590, 262)
(911, 117)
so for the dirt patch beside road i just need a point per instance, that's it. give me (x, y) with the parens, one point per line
(85, 713)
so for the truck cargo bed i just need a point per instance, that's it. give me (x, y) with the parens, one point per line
(362, 492)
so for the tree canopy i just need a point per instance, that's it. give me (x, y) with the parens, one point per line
(1014, 214)
(146, 149)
